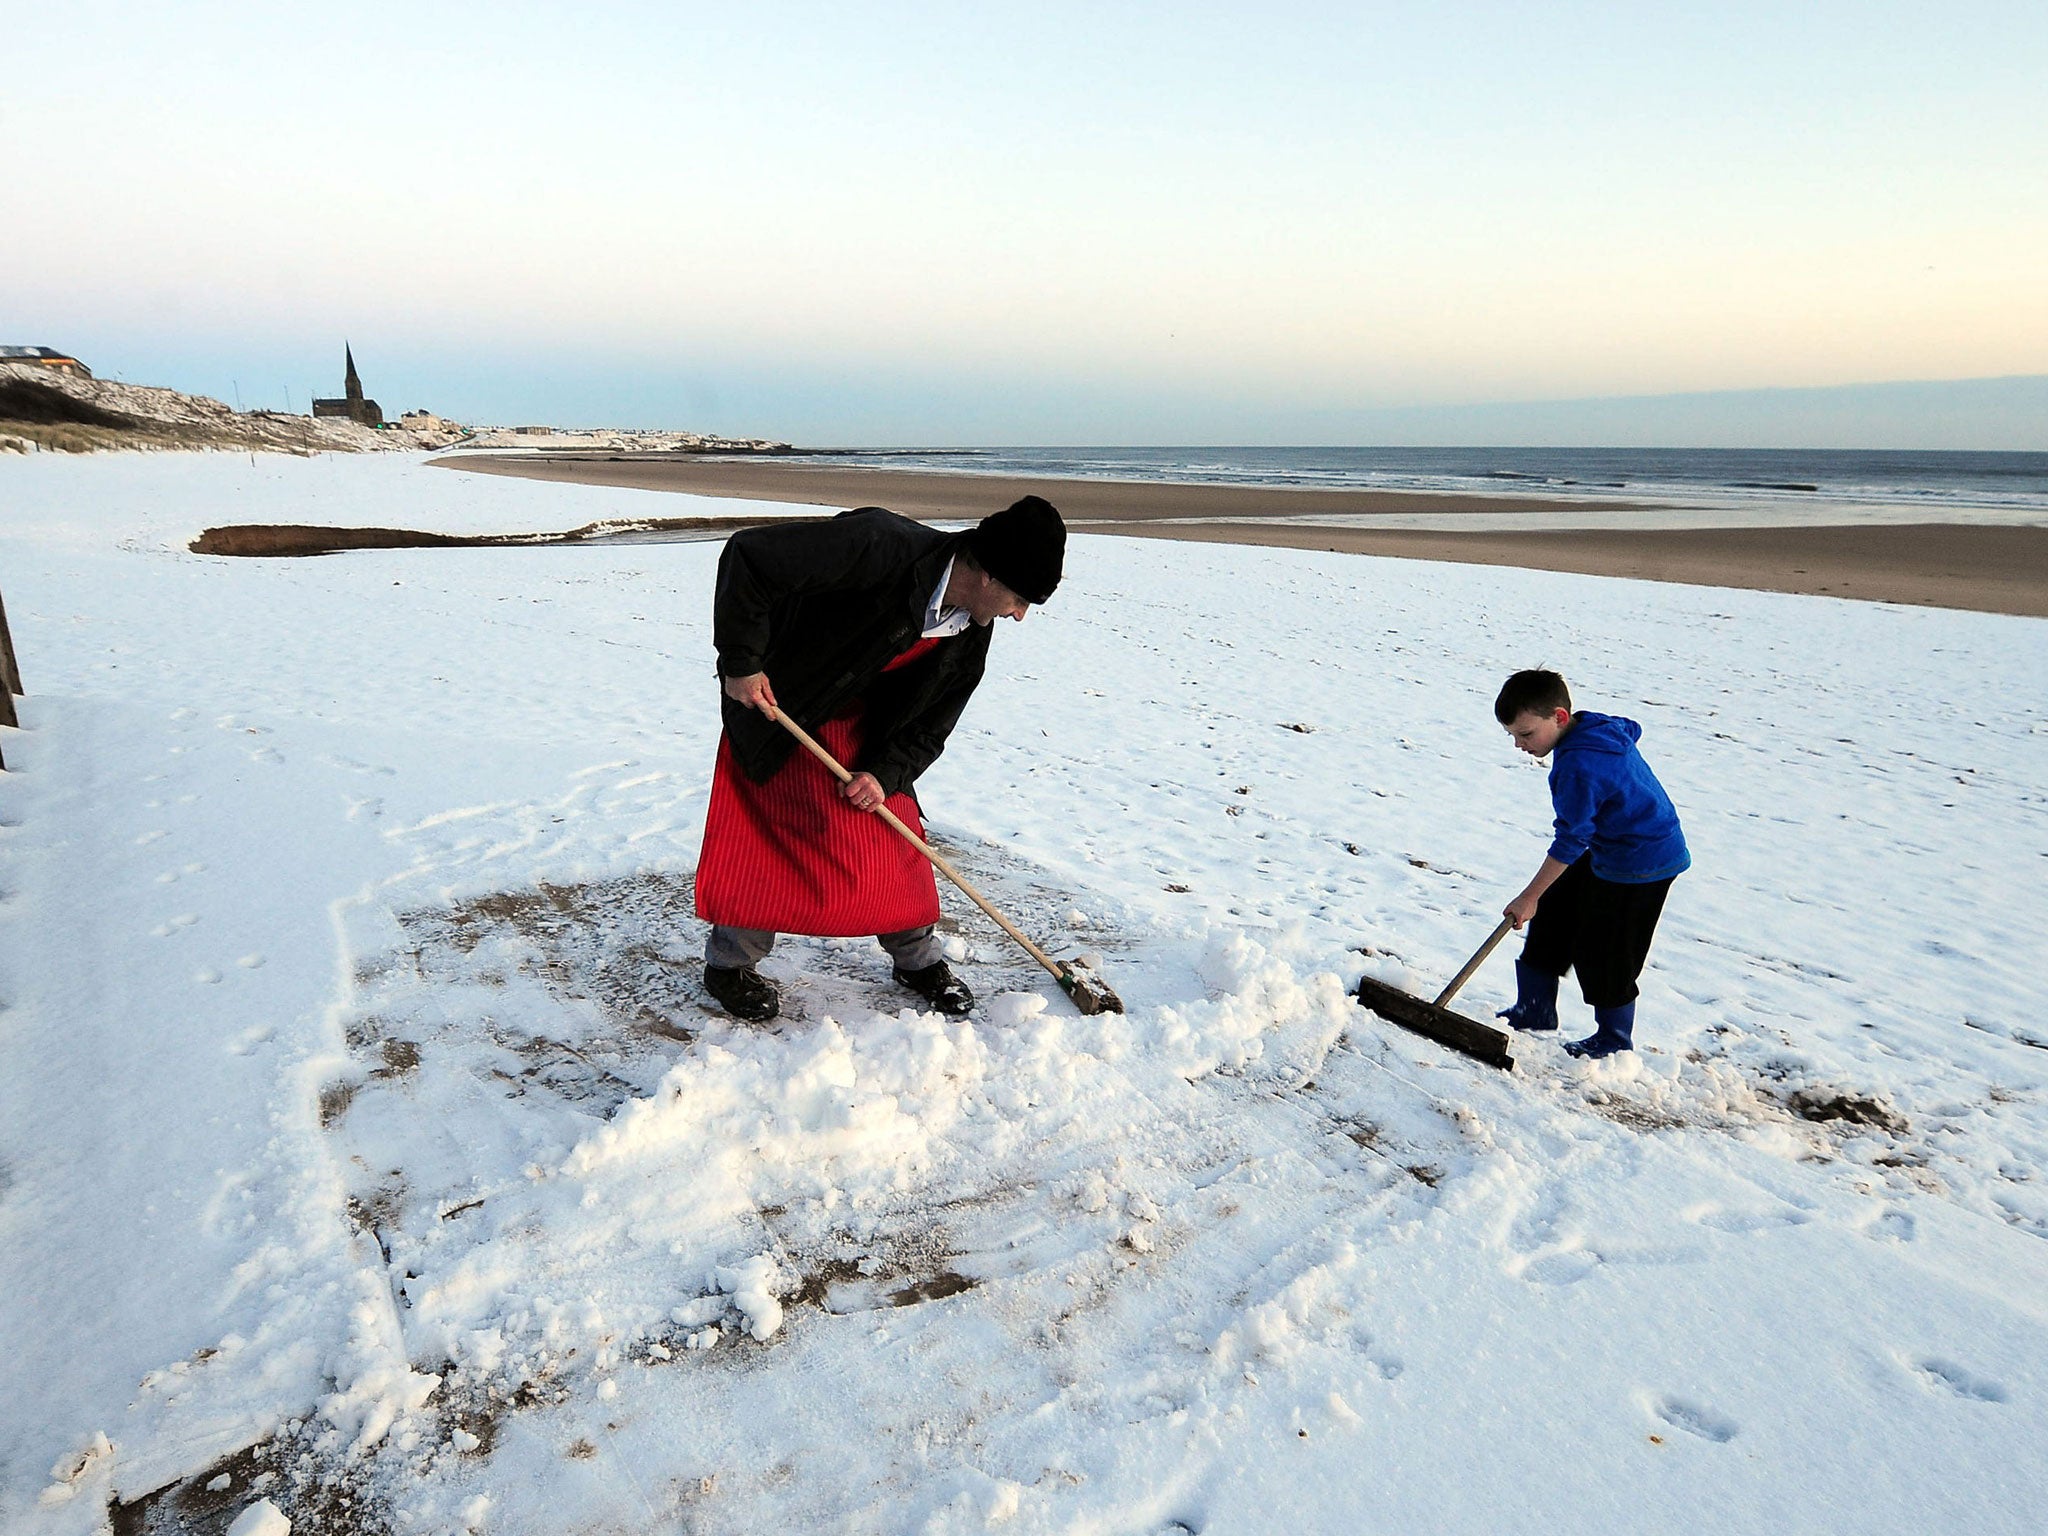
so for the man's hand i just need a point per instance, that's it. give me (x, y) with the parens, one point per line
(753, 691)
(1521, 909)
(863, 792)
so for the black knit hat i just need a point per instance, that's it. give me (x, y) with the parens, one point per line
(1023, 546)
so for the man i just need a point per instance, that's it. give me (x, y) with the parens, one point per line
(871, 631)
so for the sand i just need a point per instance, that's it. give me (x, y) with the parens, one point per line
(936, 494)
(1979, 567)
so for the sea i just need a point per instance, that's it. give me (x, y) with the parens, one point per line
(1602, 487)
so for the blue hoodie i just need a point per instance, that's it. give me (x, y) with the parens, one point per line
(1608, 800)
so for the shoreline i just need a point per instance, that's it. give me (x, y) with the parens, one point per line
(1980, 568)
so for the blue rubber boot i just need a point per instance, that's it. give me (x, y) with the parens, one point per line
(1616, 1033)
(1535, 1007)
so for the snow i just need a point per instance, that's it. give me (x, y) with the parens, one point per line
(357, 1103)
(262, 1518)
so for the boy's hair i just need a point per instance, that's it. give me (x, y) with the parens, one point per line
(1531, 693)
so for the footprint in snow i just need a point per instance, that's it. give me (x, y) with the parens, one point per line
(353, 766)
(1744, 1223)
(1564, 1266)
(173, 925)
(1893, 1226)
(1696, 1420)
(1963, 1383)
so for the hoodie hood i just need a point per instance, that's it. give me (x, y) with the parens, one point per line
(1593, 732)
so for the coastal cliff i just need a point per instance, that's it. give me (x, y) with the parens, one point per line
(44, 409)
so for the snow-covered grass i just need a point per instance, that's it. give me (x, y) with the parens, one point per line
(363, 1135)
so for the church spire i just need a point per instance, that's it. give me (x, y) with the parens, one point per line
(352, 387)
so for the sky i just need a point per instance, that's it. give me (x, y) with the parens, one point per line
(1058, 223)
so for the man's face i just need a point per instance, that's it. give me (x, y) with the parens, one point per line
(987, 600)
(1537, 733)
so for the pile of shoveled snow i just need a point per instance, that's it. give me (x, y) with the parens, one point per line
(45, 408)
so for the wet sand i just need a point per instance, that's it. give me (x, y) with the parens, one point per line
(1980, 567)
(1933, 565)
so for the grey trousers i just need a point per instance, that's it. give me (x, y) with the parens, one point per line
(732, 948)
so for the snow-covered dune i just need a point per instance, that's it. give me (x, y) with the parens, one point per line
(364, 1137)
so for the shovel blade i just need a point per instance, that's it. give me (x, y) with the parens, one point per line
(1090, 994)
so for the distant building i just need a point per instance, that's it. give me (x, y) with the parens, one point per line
(48, 357)
(352, 406)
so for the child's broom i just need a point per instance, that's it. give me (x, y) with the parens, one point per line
(1435, 1019)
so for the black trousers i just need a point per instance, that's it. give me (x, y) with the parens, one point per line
(1599, 928)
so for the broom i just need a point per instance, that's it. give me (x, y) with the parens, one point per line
(1436, 1020)
(1090, 993)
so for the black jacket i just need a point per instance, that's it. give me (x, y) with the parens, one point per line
(822, 608)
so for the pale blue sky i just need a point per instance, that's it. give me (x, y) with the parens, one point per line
(1054, 223)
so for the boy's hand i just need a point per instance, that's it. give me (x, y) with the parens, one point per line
(1523, 907)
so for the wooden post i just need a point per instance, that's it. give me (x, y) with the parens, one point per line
(10, 678)
(10, 673)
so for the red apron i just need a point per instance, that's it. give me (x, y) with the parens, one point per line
(791, 856)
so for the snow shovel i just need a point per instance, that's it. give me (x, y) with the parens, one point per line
(1435, 1019)
(1090, 994)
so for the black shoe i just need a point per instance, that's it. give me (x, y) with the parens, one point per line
(743, 992)
(937, 985)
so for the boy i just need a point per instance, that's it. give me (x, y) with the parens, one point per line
(1594, 904)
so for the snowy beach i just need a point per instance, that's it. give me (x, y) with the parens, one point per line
(367, 1146)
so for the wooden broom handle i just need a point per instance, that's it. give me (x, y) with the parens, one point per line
(810, 744)
(1459, 980)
